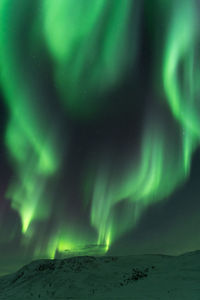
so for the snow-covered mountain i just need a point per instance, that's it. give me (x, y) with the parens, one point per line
(109, 277)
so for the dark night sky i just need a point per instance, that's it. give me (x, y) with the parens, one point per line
(99, 128)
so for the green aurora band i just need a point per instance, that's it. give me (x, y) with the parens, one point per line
(91, 46)
(81, 51)
(181, 55)
(31, 147)
(160, 167)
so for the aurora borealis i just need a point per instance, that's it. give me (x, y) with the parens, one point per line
(100, 118)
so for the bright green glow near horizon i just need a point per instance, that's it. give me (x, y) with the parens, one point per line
(89, 45)
(68, 241)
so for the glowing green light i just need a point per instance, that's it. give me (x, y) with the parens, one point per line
(30, 144)
(89, 45)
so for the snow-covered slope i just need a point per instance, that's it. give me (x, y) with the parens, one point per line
(103, 278)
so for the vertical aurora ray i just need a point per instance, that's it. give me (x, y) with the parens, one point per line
(181, 72)
(163, 165)
(152, 176)
(30, 144)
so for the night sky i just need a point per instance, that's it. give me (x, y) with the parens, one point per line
(99, 128)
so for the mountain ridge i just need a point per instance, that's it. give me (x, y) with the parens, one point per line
(106, 277)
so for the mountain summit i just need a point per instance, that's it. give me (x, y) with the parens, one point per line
(135, 277)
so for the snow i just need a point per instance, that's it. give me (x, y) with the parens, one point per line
(107, 277)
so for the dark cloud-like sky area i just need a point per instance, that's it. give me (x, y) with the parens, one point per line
(99, 128)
